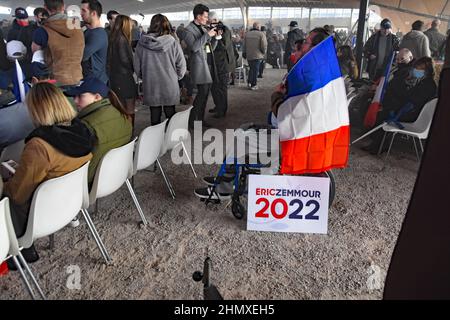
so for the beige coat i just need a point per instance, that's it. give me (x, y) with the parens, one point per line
(255, 45)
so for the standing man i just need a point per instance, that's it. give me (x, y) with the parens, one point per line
(201, 45)
(40, 15)
(255, 48)
(294, 35)
(96, 39)
(111, 16)
(63, 46)
(22, 31)
(379, 48)
(436, 39)
(416, 41)
(226, 63)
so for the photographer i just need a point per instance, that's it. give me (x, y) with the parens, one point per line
(201, 44)
(225, 63)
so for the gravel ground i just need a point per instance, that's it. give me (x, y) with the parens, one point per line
(157, 262)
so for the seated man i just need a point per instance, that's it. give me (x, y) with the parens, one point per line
(101, 110)
(15, 120)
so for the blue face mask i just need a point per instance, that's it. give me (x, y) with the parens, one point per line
(418, 73)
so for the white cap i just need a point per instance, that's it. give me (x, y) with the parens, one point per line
(38, 56)
(15, 50)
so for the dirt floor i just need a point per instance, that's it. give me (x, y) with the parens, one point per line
(157, 262)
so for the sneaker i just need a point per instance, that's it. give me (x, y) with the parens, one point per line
(204, 193)
(74, 223)
(254, 88)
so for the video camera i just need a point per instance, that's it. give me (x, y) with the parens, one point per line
(219, 26)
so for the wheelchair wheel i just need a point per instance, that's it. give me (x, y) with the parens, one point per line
(238, 210)
(332, 187)
(328, 174)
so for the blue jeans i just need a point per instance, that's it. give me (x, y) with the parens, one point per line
(254, 71)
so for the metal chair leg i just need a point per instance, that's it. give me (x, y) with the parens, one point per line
(51, 242)
(382, 143)
(24, 278)
(166, 179)
(33, 278)
(415, 148)
(189, 159)
(96, 236)
(136, 202)
(421, 145)
(390, 146)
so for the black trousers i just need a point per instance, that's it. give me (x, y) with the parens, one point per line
(155, 114)
(201, 99)
(262, 67)
(219, 92)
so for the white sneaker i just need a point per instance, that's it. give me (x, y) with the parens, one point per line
(254, 88)
(74, 223)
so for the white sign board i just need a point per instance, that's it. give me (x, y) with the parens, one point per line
(288, 204)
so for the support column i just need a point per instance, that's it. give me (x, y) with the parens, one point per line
(361, 35)
(244, 11)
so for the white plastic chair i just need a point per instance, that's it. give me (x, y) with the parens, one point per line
(148, 148)
(9, 248)
(55, 204)
(13, 152)
(177, 132)
(115, 169)
(418, 129)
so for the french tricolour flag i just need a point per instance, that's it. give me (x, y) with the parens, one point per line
(314, 122)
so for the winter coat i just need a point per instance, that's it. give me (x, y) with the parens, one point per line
(120, 68)
(417, 42)
(224, 54)
(111, 128)
(293, 36)
(255, 45)
(50, 152)
(436, 40)
(197, 43)
(160, 62)
(64, 52)
(371, 48)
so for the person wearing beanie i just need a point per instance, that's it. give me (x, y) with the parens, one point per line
(379, 49)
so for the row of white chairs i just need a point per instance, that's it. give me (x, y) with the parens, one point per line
(52, 209)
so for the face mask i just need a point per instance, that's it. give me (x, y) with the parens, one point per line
(418, 73)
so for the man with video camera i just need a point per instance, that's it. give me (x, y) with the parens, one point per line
(201, 44)
(225, 63)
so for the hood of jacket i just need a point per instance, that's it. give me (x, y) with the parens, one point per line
(414, 35)
(58, 23)
(155, 43)
(74, 140)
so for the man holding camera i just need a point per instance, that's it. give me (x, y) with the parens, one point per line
(201, 44)
(225, 63)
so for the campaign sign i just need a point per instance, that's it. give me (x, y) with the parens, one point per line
(288, 204)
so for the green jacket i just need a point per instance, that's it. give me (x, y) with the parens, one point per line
(111, 128)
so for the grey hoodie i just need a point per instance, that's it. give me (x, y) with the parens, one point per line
(418, 43)
(160, 63)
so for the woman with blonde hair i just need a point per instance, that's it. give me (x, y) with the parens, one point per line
(160, 62)
(120, 63)
(60, 144)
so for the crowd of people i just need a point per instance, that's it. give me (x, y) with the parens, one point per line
(82, 80)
